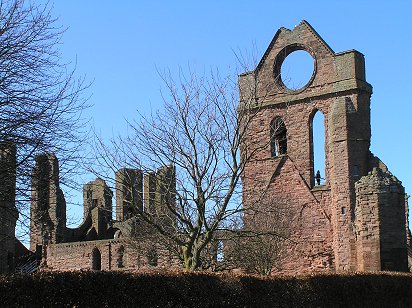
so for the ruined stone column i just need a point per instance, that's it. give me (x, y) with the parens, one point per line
(8, 211)
(349, 150)
(160, 194)
(48, 206)
(340, 184)
(166, 189)
(129, 193)
(380, 223)
(97, 199)
(149, 194)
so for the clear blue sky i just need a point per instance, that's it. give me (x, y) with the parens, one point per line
(120, 44)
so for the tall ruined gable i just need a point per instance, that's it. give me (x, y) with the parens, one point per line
(322, 225)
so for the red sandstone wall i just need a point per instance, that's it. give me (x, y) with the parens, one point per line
(323, 229)
(78, 255)
(309, 243)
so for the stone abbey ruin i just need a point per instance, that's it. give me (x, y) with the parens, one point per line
(355, 220)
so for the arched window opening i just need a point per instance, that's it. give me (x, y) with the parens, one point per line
(96, 260)
(279, 145)
(120, 257)
(117, 234)
(318, 149)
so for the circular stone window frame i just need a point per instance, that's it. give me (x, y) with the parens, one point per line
(280, 58)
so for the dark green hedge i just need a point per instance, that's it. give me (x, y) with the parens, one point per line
(114, 289)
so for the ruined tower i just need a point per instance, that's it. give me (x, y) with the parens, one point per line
(160, 194)
(8, 211)
(48, 206)
(380, 214)
(326, 227)
(129, 193)
(97, 201)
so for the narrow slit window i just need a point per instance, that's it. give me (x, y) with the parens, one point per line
(279, 145)
(120, 257)
(318, 149)
(220, 255)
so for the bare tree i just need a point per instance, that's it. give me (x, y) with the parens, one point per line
(199, 133)
(40, 98)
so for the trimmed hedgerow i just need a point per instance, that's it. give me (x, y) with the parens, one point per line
(117, 289)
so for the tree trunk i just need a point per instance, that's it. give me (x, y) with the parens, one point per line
(190, 259)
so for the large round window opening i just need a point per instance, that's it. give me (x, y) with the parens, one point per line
(297, 70)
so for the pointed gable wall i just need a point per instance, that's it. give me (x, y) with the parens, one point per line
(333, 72)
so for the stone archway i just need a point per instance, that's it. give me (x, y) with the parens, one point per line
(96, 260)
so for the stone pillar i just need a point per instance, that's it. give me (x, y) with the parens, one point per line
(149, 194)
(367, 226)
(8, 211)
(166, 190)
(160, 194)
(408, 232)
(380, 223)
(97, 198)
(340, 184)
(129, 193)
(48, 206)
